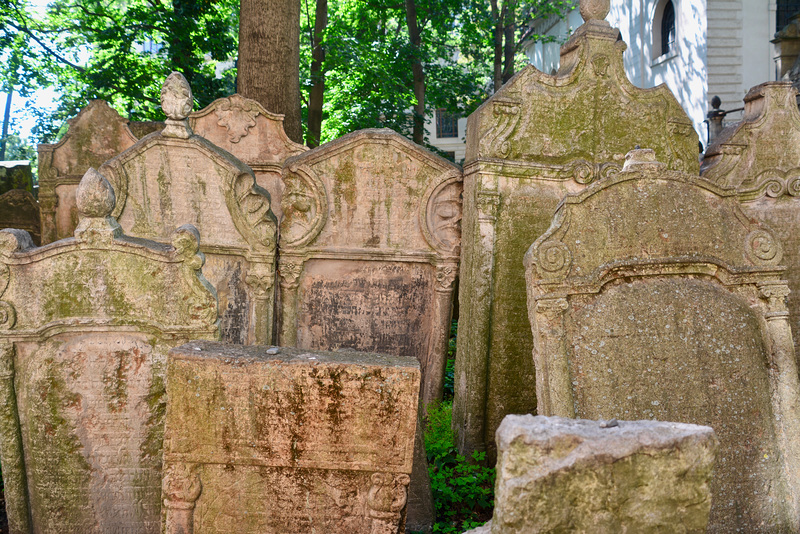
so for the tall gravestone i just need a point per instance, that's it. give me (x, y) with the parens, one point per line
(287, 441)
(251, 133)
(85, 327)
(673, 309)
(535, 140)
(96, 134)
(175, 176)
(760, 158)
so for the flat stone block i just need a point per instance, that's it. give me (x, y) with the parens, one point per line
(574, 475)
(268, 439)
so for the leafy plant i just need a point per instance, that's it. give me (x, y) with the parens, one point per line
(463, 490)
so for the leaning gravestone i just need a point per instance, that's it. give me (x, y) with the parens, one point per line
(673, 309)
(96, 134)
(287, 441)
(174, 176)
(85, 328)
(568, 475)
(535, 140)
(251, 133)
(760, 158)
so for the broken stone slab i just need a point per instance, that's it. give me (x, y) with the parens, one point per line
(286, 440)
(574, 475)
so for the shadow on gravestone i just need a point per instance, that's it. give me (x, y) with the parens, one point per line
(251, 133)
(537, 139)
(287, 441)
(759, 157)
(85, 327)
(96, 134)
(573, 475)
(369, 249)
(174, 176)
(673, 309)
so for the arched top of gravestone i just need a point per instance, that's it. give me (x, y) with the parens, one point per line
(760, 155)
(177, 163)
(372, 190)
(584, 117)
(243, 126)
(672, 223)
(104, 277)
(94, 135)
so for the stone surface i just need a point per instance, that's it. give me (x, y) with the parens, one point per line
(760, 158)
(85, 327)
(285, 440)
(537, 139)
(15, 175)
(174, 177)
(673, 309)
(18, 209)
(96, 134)
(567, 475)
(251, 133)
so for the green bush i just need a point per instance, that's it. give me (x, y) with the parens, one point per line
(463, 491)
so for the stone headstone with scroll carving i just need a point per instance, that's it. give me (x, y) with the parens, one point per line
(760, 158)
(535, 140)
(85, 327)
(288, 441)
(174, 176)
(673, 309)
(96, 134)
(251, 133)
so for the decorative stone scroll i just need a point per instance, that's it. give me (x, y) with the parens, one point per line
(760, 158)
(673, 309)
(85, 327)
(177, 176)
(370, 240)
(251, 133)
(287, 441)
(537, 139)
(96, 134)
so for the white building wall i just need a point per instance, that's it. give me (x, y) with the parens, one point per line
(457, 145)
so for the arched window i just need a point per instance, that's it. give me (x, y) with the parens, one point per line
(667, 28)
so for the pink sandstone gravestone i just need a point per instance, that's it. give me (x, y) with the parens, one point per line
(672, 308)
(85, 327)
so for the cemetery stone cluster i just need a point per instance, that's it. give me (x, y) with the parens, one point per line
(208, 328)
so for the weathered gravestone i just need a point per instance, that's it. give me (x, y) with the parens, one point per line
(568, 475)
(537, 139)
(673, 309)
(96, 134)
(174, 176)
(760, 158)
(18, 209)
(85, 327)
(251, 133)
(287, 440)
(370, 240)
(15, 174)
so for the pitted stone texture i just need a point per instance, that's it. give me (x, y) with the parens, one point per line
(566, 475)
(285, 440)
(251, 133)
(173, 178)
(537, 139)
(760, 158)
(85, 327)
(96, 134)
(673, 309)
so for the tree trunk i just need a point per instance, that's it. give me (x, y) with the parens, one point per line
(418, 73)
(6, 120)
(268, 69)
(315, 98)
(510, 47)
(497, 19)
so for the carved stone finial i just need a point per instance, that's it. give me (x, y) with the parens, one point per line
(95, 196)
(641, 158)
(594, 9)
(176, 102)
